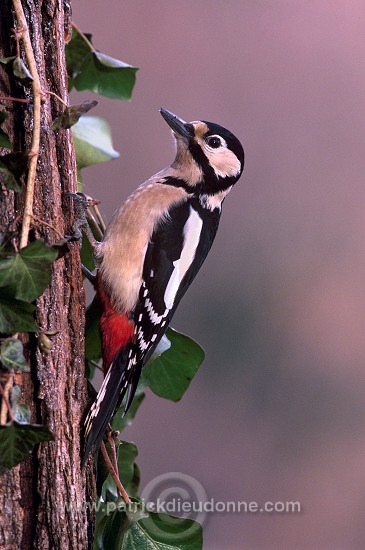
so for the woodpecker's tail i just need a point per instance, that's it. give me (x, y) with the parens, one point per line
(117, 335)
(122, 376)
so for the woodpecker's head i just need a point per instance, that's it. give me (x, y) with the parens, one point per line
(208, 157)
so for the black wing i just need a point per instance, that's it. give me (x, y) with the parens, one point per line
(177, 249)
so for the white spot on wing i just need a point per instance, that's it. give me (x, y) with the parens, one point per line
(155, 317)
(143, 345)
(191, 232)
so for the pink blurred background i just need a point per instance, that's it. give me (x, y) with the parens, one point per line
(277, 412)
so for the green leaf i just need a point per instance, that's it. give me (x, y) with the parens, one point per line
(8, 179)
(169, 376)
(87, 257)
(12, 167)
(71, 115)
(4, 138)
(28, 272)
(15, 315)
(93, 143)
(11, 355)
(6, 248)
(105, 76)
(21, 72)
(17, 441)
(111, 526)
(164, 532)
(21, 412)
(16, 67)
(76, 50)
(7, 60)
(97, 72)
(156, 532)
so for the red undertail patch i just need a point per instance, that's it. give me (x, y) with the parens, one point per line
(116, 329)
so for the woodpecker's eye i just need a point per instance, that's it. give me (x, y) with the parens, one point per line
(214, 142)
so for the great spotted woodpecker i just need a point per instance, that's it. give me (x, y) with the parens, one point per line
(153, 247)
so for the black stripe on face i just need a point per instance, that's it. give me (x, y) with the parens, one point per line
(202, 161)
(212, 183)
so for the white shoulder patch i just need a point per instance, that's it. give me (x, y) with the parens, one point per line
(191, 232)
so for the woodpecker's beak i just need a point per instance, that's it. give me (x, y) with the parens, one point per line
(184, 129)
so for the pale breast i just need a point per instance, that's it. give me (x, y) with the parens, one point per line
(125, 243)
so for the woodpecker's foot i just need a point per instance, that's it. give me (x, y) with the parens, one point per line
(80, 204)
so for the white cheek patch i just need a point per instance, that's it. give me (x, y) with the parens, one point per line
(191, 232)
(223, 161)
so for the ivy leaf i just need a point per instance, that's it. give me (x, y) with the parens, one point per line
(4, 138)
(156, 532)
(6, 247)
(92, 140)
(12, 167)
(8, 179)
(7, 60)
(21, 72)
(76, 50)
(21, 412)
(169, 376)
(110, 527)
(71, 115)
(28, 272)
(15, 66)
(105, 76)
(17, 441)
(165, 532)
(87, 257)
(11, 355)
(15, 315)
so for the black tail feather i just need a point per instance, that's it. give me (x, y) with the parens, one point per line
(132, 387)
(109, 397)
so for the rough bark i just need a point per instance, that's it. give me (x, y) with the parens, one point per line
(43, 501)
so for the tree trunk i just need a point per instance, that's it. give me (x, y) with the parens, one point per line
(44, 501)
